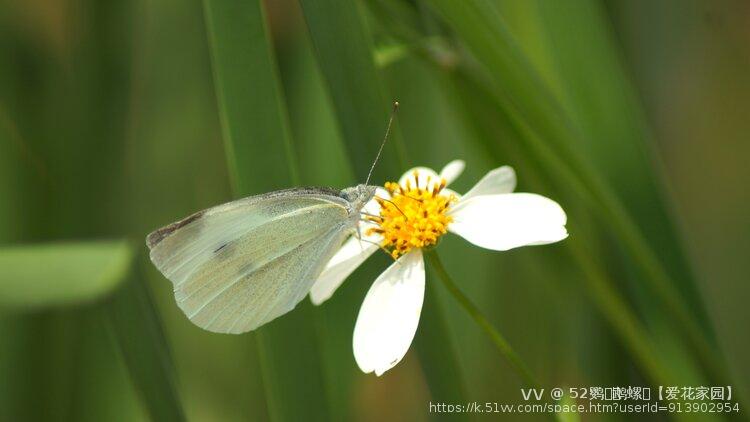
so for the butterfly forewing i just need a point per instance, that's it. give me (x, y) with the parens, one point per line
(239, 265)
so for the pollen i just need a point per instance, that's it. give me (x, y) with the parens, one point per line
(414, 216)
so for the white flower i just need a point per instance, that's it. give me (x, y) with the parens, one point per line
(403, 218)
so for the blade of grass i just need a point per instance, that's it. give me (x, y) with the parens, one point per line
(57, 274)
(602, 103)
(599, 99)
(344, 52)
(478, 109)
(345, 56)
(595, 85)
(259, 152)
(488, 37)
(597, 283)
(138, 333)
(252, 113)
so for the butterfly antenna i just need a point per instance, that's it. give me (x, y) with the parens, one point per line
(385, 138)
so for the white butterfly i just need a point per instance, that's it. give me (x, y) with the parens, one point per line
(239, 265)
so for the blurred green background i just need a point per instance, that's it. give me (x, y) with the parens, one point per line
(119, 117)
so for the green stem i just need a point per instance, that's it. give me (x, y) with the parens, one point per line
(497, 339)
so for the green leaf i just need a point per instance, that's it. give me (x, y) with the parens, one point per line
(345, 55)
(252, 112)
(59, 274)
(259, 152)
(599, 97)
(139, 335)
(485, 33)
(602, 104)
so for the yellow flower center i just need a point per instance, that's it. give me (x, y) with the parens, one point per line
(414, 217)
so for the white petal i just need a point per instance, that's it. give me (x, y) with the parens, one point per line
(502, 222)
(452, 170)
(351, 255)
(449, 192)
(381, 192)
(389, 315)
(497, 181)
(424, 174)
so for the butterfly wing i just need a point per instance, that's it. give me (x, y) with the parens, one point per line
(239, 265)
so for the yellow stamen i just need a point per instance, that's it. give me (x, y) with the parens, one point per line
(414, 217)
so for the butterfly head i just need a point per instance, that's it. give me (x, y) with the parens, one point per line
(358, 196)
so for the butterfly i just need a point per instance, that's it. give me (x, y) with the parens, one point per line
(237, 266)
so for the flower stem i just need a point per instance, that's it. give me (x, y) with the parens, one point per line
(497, 339)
